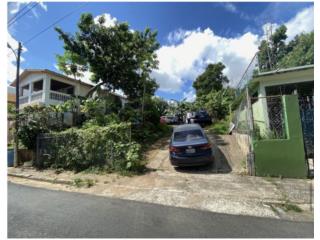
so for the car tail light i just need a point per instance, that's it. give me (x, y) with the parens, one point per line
(206, 146)
(174, 149)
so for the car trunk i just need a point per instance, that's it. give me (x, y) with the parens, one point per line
(195, 148)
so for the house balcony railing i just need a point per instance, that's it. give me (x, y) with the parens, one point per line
(36, 96)
(58, 96)
(23, 100)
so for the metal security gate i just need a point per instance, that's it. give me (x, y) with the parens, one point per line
(307, 122)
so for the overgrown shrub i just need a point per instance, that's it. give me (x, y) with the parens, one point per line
(102, 120)
(79, 149)
(35, 120)
(220, 127)
(148, 133)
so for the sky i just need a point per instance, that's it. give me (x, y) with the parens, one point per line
(191, 35)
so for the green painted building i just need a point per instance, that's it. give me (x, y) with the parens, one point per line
(282, 112)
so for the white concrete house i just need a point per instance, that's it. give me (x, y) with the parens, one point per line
(43, 86)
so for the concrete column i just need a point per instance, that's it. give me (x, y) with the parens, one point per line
(29, 92)
(46, 89)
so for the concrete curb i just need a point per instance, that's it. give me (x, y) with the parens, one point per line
(56, 181)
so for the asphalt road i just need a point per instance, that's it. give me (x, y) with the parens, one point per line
(40, 213)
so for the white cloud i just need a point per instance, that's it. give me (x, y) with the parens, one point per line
(15, 7)
(302, 22)
(11, 59)
(190, 96)
(183, 62)
(190, 51)
(43, 6)
(109, 20)
(230, 7)
(178, 35)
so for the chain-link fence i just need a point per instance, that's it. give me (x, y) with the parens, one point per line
(258, 118)
(268, 118)
(240, 118)
(251, 70)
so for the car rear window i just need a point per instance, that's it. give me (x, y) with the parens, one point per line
(188, 135)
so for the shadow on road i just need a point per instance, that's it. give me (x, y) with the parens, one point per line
(220, 165)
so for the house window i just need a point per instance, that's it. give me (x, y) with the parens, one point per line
(61, 87)
(38, 86)
(24, 91)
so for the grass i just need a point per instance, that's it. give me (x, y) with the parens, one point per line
(220, 127)
(78, 182)
(287, 205)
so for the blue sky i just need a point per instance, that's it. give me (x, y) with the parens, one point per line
(191, 34)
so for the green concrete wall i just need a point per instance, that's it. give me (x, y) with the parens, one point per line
(258, 116)
(283, 157)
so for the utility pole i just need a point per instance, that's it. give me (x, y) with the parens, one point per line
(16, 139)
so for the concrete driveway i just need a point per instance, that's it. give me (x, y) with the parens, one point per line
(219, 188)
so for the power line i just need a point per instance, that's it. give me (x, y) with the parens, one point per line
(33, 6)
(20, 11)
(49, 26)
(55, 22)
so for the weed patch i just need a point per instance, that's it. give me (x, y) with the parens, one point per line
(219, 127)
(78, 182)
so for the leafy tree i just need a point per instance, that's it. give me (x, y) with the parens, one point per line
(301, 51)
(217, 103)
(117, 57)
(278, 44)
(160, 104)
(11, 110)
(278, 54)
(71, 64)
(264, 56)
(211, 80)
(273, 49)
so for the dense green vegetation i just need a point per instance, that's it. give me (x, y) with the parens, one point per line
(211, 79)
(117, 57)
(220, 127)
(104, 147)
(276, 53)
(212, 94)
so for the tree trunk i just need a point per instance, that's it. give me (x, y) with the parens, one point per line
(93, 89)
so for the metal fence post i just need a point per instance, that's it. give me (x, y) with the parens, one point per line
(251, 126)
(37, 152)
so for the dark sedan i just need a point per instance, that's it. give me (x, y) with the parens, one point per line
(201, 117)
(189, 146)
